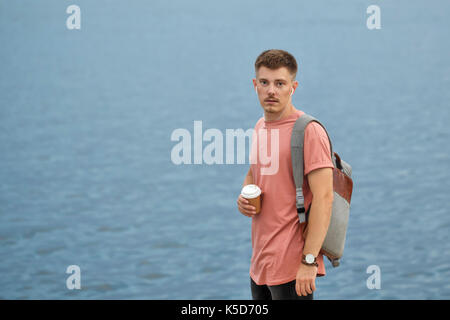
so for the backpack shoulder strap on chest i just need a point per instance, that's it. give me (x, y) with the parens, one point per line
(297, 143)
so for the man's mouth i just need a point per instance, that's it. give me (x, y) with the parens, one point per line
(271, 100)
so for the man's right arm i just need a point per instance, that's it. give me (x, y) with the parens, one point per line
(248, 178)
(243, 205)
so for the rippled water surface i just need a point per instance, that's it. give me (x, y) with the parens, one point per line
(86, 118)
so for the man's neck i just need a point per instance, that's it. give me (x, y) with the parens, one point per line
(286, 112)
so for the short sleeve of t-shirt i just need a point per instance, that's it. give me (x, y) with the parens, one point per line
(316, 151)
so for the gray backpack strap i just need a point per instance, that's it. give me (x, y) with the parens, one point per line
(297, 142)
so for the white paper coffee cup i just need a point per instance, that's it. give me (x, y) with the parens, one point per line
(252, 193)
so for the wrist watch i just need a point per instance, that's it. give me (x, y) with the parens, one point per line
(309, 260)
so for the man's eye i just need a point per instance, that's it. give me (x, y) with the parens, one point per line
(280, 84)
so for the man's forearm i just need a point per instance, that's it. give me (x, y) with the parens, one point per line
(318, 222)
(248, 179)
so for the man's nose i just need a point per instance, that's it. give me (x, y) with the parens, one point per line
(271, 90)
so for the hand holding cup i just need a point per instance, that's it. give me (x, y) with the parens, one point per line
(249, 201)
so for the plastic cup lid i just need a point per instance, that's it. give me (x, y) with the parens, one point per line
(250, 191)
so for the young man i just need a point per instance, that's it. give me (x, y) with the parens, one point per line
(285, 254)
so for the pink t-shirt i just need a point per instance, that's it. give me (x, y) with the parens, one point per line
(277, 235)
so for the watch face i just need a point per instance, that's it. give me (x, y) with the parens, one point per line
(309, 258)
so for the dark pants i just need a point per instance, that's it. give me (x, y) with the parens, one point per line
(285, 291)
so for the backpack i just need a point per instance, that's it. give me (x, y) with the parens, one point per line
(333, 245)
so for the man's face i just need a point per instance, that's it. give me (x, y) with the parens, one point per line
(274, 88)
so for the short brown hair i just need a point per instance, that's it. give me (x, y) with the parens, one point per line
(274, 59)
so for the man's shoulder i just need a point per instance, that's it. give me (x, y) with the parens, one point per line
(314, 125)
(315, 128)
(259, 122)
(299, 113)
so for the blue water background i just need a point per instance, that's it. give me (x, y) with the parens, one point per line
(86, 116)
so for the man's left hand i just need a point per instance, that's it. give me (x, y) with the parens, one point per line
(306, 280)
